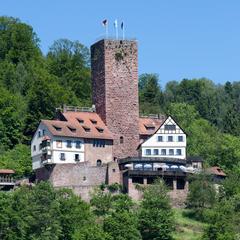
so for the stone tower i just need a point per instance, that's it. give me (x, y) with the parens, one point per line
(115, 92)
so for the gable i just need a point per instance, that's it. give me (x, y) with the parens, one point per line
(170, 127)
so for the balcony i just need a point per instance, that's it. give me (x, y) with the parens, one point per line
(6, 180)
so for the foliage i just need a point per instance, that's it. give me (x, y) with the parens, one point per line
(17, 159)
(202, 194)
(156, 217)
(41, 212)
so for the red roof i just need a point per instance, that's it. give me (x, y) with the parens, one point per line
(148, 126)
(7, 171)
(80, 125)
(216, 171)
(90, 125)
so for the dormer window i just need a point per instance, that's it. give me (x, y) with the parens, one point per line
(100, 129)
(86, 128)
(93, 121)
(57, 128)
(149, 127)
(72, 129)
(80, 120)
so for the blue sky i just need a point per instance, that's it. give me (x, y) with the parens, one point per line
(177, 38)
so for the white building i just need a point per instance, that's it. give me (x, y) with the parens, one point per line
(169, 141)
(74, 137)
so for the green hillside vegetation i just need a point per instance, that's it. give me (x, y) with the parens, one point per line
(33, 85)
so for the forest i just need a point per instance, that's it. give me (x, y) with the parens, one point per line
(33, 85)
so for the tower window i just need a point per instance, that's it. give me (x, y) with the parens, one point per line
(121, 139)
(99, 163)
(34, 148)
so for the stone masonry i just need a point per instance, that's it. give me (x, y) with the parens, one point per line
(115, 92)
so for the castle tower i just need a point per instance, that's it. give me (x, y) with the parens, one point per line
(115, 92)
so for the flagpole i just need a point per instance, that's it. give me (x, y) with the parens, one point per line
(116, 28)
(107, 31)
(123, 30)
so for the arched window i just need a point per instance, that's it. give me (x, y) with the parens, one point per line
(99, 163)
(121, 139)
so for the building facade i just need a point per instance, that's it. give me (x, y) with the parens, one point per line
(111, 143)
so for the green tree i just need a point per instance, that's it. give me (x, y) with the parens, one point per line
(156, 216)
(18, 159)
(202, 194)
(150, 94)
(69, 61)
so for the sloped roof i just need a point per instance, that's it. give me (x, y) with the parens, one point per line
(216, 171)
(148, 126)
(80, 125)
(7, 171)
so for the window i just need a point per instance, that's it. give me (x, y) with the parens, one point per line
(180, 138)
(39, 133)
(99, 163)
(160, 138)
(113, 170)
(93, 121)
(170, 127)
(171, 152)
(148, 151)
(34, 148)
(100, 129)
(98, 143)
(43, 132)
(69, 143)
(80, 120)
(57, 128)
(170, 138)
(179, 152)
(155, 152)
(86, 128)
(40, 146)
(77, 157)
(163, 152)
(62, 156)
(78, 144)
(72, 129)
(121, 139)
(59, 143)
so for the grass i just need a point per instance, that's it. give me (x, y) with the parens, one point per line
(187, 228)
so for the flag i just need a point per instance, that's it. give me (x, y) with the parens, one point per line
(105, 22)
(122, 25)
(115, 23)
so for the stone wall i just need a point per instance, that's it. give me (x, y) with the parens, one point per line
(80, 177)
(115, 92)
(92, 154)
